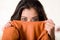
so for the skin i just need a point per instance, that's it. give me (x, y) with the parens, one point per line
(29, 15)
(50, 27)
(32, 15)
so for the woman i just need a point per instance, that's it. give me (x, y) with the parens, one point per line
(31, 11)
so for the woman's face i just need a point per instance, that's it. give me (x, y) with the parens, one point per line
(29, 15)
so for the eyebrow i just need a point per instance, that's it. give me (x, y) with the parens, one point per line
(32, 17)
(24, 16)
(35, 17)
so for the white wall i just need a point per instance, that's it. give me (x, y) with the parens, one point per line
(7, 7)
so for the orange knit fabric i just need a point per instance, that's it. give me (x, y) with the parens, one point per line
(19, 30)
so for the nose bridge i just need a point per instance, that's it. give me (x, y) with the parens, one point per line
(29, 19)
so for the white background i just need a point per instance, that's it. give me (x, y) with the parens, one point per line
(51, 7)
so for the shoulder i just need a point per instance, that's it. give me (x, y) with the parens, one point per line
(10, 32)
(9, 27)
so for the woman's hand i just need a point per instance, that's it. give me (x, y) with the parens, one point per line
(50, 27)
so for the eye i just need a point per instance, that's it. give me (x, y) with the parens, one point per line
(35, 19)
(24, 19)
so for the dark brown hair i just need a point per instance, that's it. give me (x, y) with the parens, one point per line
(23, 4)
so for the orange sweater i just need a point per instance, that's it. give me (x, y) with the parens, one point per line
(19, 30)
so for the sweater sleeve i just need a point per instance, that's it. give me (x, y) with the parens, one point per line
(44, 36)
(10, 33)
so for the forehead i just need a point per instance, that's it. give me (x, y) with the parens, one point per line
(29, 12)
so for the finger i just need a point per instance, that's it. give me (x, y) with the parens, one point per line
(49, 25)
(49, 21)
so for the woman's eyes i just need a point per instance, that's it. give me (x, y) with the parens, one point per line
(24, 19)
(33, 19)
